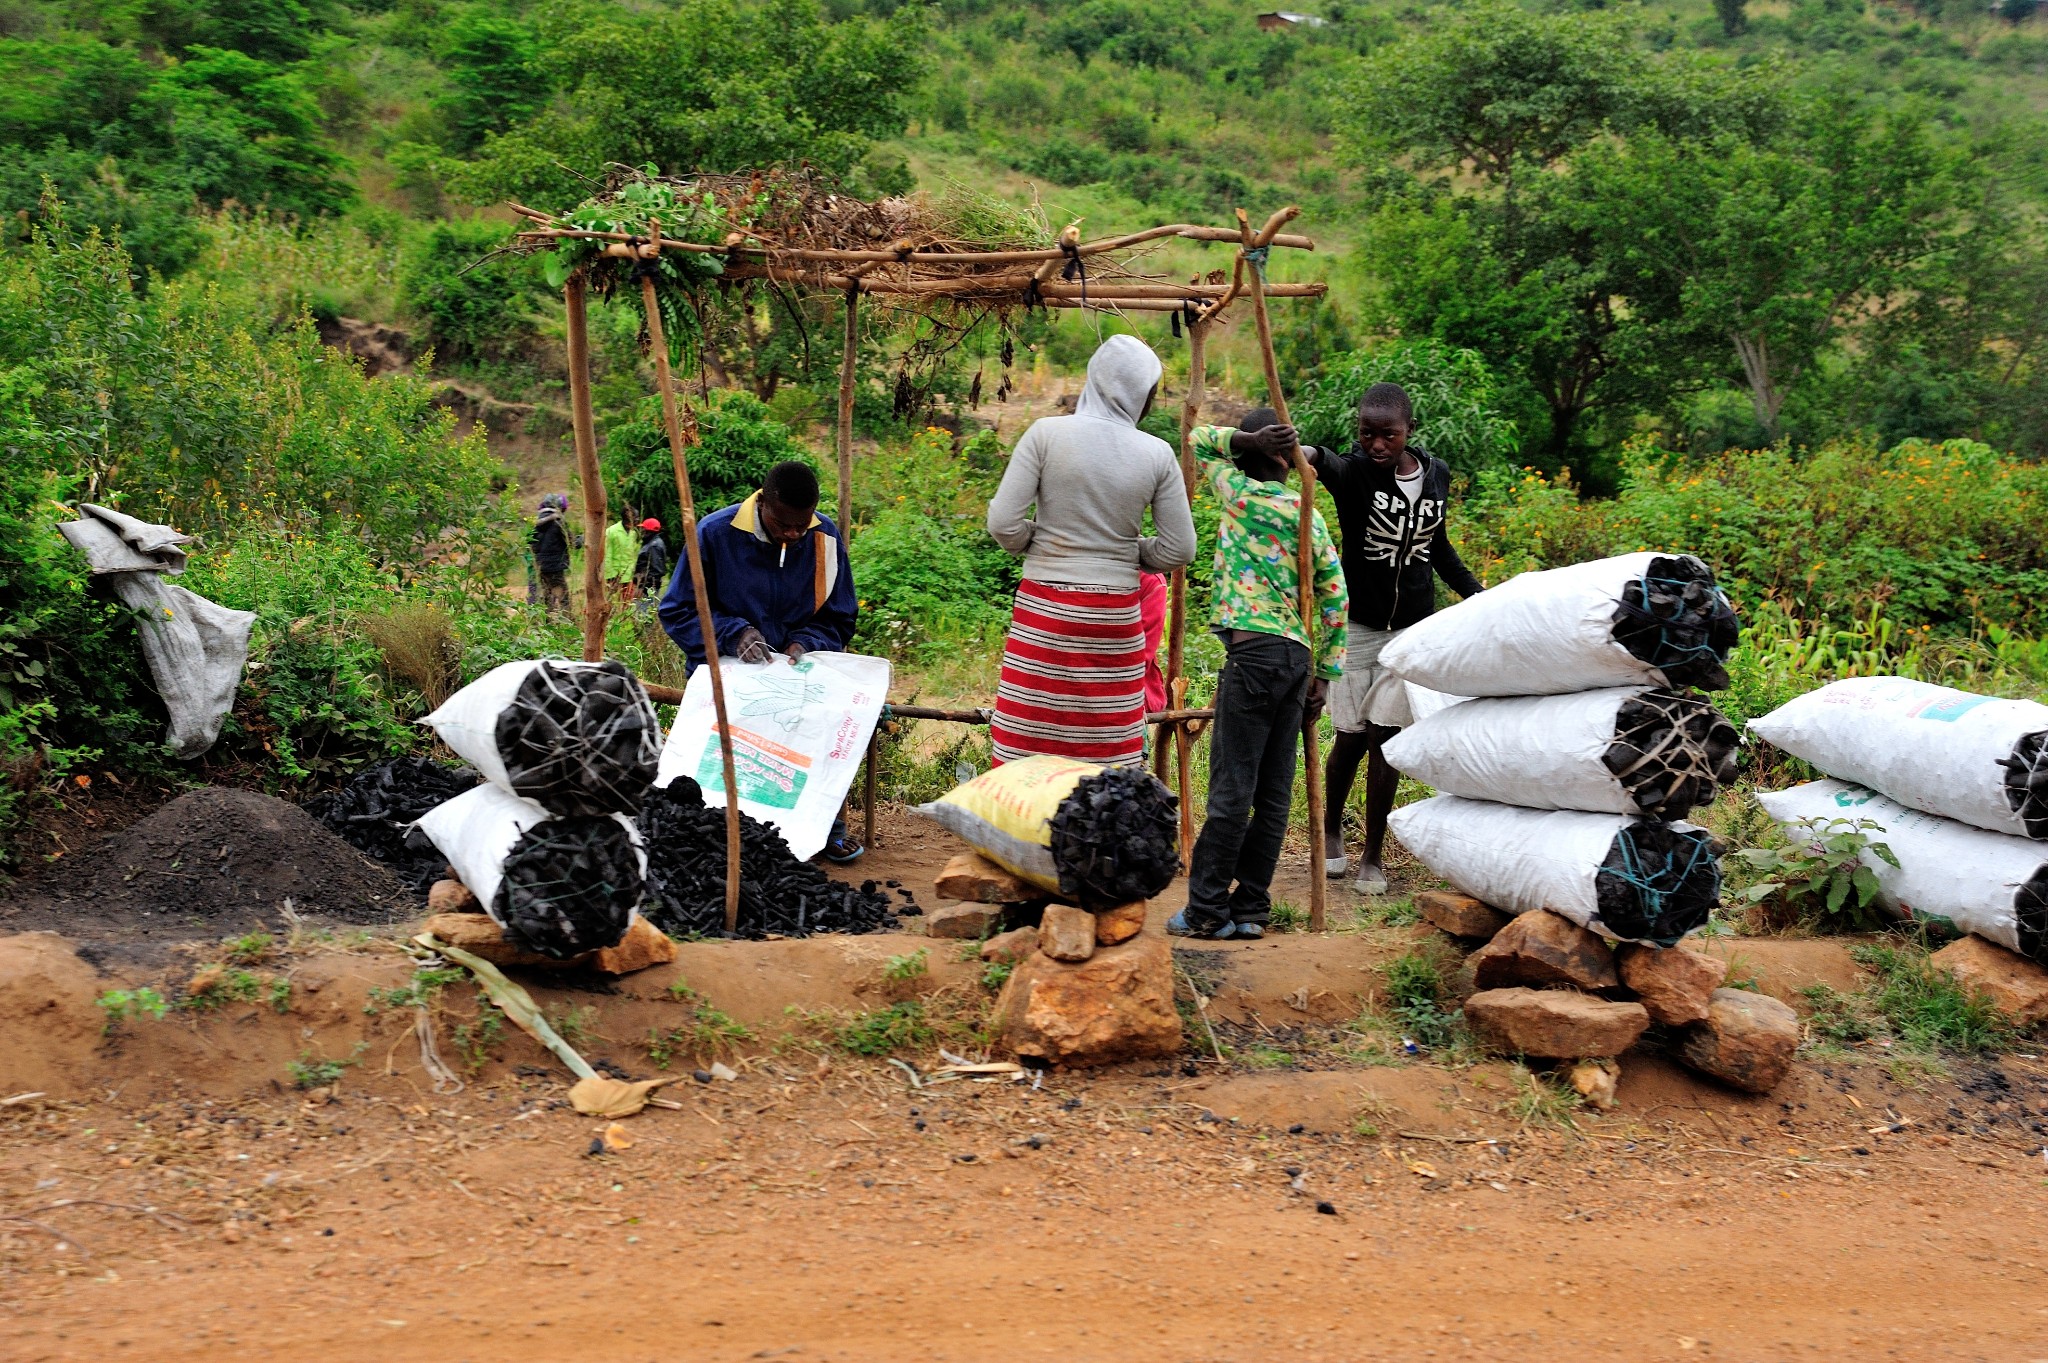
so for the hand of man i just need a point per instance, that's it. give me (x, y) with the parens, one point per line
(1318, 696)
(795, 651)
(750, 647)
(1275, 442)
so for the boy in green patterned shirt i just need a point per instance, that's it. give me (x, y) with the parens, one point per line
(1276, 674)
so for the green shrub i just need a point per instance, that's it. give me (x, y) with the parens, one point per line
(1458, 405)
(469, 307)
(1926, 1007)
(737, 443)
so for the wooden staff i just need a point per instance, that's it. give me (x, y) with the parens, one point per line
(1177, 627)
(846, 376)
(597, 606)
(1304, 548)
(706, 626)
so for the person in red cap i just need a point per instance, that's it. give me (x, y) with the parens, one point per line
(650, 570)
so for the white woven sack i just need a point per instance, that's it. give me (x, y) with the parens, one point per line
(478, 829)
(1540, 752)
(468, 720)
(1518, 860)
(1537, 634)
(1949, 870)
(799, 733)
(1928, 747)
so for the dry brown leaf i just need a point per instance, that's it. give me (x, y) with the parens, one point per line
(1423, 1168)
(617, 1138)
(602, 1097)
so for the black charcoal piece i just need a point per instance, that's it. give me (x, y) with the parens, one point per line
(1658, 882)
(1671, 752)
(1675, 619)
(685, 840)
(2026, 782)
(1116, 838)
(570, 885)
(2030, 916)
(371, 811)
(580, 740)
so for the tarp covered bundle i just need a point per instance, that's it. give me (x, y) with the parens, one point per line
(195, 649)
(1992, 884)
(577, 738)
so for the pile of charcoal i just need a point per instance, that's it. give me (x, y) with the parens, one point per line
(685, 844)
(581, 739)
(1675, 619)
(1659, 881)
(1672, 752)
(1116, 839)
(372, 811)
(2026, 782)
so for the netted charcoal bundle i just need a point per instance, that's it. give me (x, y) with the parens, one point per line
(576, 738)
(1638, 880)
(1672, 752)
(1977, 759)
(1116, 838)
(569, 885)
(1620, 750)
(1992, 884)
(374, 808)
(1677, 621)
(1658, 881)
(685, 842)
(1646, 619)
(558, 884)
(1100, 835)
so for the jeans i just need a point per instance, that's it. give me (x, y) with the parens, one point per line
(1252, 747)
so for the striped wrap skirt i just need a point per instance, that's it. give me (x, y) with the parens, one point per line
(1073, 681)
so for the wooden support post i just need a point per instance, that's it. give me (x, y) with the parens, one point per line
(867, 799)
(847, 360)
(1304, 551)
(597, 606)
(1177, 611)
(706, 627)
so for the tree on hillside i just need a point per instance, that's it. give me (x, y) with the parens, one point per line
(708, 85)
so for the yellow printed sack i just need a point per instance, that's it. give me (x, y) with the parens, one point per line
(1006, 814)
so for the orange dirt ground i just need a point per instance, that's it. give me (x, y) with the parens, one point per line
(171, 1195)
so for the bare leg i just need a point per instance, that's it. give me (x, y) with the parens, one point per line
(1381, 782)
(1347, 750)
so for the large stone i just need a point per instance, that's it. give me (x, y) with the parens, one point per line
(1460, 914)
(1119, 924)
(977, 880)
(1117, 1005)
(1067, 933)
(2016, 985)
(642, 946)
(451, 896)
(1673, 983)
(1010, 947)
(960, 920)
(1541, 949)
(1553, 1024)
(1747, 1040)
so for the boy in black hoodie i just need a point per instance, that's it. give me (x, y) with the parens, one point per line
(1392, 502)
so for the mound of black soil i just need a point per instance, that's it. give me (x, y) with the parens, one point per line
(211, 863)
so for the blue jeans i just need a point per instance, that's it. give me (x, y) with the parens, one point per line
(1252, 748)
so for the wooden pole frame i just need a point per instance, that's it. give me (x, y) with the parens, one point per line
(597, 605)
(706, 624)
(1304, 549)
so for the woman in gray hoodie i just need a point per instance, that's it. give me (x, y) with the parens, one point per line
(1073, 681)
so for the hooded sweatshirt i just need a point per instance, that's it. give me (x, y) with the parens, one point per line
(550, 541)
(1091, 477)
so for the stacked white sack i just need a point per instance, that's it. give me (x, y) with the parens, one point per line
(1977, 759)
(1520, 860)
(1991, 884)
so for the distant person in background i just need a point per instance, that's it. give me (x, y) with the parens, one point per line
(549, 543)
(650, 570)
(1073, 680)
(779, 582)
(621, 552)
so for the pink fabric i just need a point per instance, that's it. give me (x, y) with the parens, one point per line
(1152, 617)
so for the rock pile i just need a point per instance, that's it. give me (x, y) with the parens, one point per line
(1553, 990)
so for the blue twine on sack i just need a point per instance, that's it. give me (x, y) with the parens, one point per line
(1632, 874)
(1684, 650)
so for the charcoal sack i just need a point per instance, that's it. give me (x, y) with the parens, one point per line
(1977, 759)
(1099, 836)
(559, 884)
(685, 841)
(1632, 879)
(1636, 619)
(575, 738)
(375, 809)
(1992, 884)
(1624, 750)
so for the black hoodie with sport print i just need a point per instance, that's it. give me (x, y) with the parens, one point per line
(1392, 549)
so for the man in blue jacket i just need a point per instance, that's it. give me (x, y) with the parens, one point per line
(779, 582)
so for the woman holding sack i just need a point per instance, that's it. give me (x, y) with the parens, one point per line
(1073, 681)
